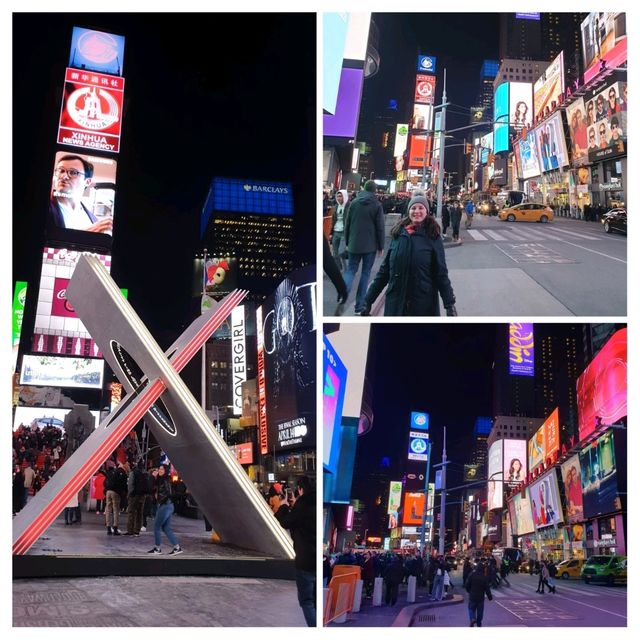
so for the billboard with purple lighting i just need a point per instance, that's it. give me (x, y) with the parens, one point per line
(344, 122)
(521, 349)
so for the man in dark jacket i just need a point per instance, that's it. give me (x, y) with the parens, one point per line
(138, 488)
(478, 585)
(393, 575)
(300, 519)
(364, 235)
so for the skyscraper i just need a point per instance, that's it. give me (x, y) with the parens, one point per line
(520, 36)
(561, 32)
(484, 101)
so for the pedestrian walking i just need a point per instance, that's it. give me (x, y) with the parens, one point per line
(414, 269)
(446, 218)
(18, 489)
(29, 476)
(504, 571)
(364, 235)
(477, 586)
(115, 485)
(469, 211)
(393, 575)
(551, 580)
(455, 211)
(138, 488)
(438, 582)
(543, 577)
(467, 568)
(70, 509)
(98, 491)
(162, 489)
(338, 219)
(331, 268)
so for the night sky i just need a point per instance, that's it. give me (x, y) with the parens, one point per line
(460, 42)
(197, 105)
(443, 370)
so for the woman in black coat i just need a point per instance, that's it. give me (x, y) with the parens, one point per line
(414, 269)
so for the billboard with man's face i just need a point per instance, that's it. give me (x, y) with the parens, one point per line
(607, 121)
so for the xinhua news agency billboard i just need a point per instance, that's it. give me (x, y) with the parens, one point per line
(521, 349)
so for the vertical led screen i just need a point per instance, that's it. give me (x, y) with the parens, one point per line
(344, 122)
(520, 104)
(57, 328)
(335, 380)
(289, 331)
(395, 497)
(19, 298)
(96, 51)
(220, 276)
(494, 479)
(420, 146)
(579, 125)
(529, 156)
(551, 146)
(400, 145)
(522, 508)
(91, 114)
(604, 37)
(82, 199)
(572, 479)
(607, 113)
(413, 508)
(515, 461)
(521, 349)
(599, 477)
(334, 35)
(422, 116)
(545, 441)
(425, 89)
(602, 387)
(501, 115)
(550, 86)
(545, 501)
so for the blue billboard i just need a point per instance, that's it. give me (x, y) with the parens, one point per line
(247, 196)
(418, 446)
(96, 51)
(419, 420)
(501, 115)
(426, 64)
(521, 357)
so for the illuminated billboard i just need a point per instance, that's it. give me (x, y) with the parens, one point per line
(602, 387)
(418, 446)
(529, 156)
(57, 328)
(344, 122)
(425, 92)
(220, 276)
(334, 386)
(520, 104)
(422, 116)
(357, 38)
(419, 420)
(91, 114)
(82, 199)
(419, 150)
(400, 145)
(494, 476)
(599, 477)
(515, 461)
(545, 501)
(426, 64)
(19, 299)
(289, 335)
(249, 196)
(549, 86)
(521, 349)
(501, 116)
(579, 124)
(243, 452)
(572, 480)
(528, 16)
(604, 37)
(545, 441)
(84, 373)
(413, 508)
(551, 146)
(607, 109)
(42, 417)
(334, 35)
(522, 510)
(395, 497)
(96, 51)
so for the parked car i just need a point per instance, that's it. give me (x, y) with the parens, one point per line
(615, 220)
(528, 212)
(570, 568)
(609, 569)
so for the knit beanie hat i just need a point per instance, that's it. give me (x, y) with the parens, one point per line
(418, 197)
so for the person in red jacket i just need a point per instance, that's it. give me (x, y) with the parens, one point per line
(98, 491)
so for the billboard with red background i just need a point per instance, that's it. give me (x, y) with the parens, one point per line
(425, 89)
(413, 508)
(602, 387)
(545, 441)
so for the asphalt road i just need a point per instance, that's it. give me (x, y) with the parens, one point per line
(574, 605)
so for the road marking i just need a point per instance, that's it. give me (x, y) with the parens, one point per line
(604, 255)
(578, 235)
(476, 235)
(619, 615)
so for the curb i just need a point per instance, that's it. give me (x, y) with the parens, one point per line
(406, 616)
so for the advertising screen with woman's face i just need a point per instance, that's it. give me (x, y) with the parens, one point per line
(545, 501)
(599, 477)
(522, 508)
(571, 477)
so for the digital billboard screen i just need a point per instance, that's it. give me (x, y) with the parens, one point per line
(334, 385)
(422, 116)
(522, 509)
(501, 115)
(17, 314)
(549, 86)
(572, 479)
(521, 349)
(545, 441)
(529, 156)
(344, 122)
(82, 199)
(220, 276)
(355, 46)
(85, 373)
(494, 472)
(289, 337)
(599, 477)
(334, 35)
(579, 126)
(520, 104)
(57, 328)
(425, 92)
(419, 148)
(545, 501)
(515, 461)
(395, 497)
(604, 37)
(551, 146)
(607, 114)
(41, 417)
(413, 508)
(602, 387)
(91, 113)
(402, 135)
(96, 51)
(426, 64)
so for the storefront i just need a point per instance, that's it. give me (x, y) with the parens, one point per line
(606, 536)
(549, 544)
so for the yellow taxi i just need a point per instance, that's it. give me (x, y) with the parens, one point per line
(527, 212)
(570, 568)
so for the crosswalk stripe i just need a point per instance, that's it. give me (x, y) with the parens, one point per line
(476, 235)
(577, 235)
(511, 235)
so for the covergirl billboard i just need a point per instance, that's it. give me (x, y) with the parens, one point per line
(520, 104)
(545, 501)
(545, 441)
(572, 479)
(521, 352)
(602, 388)
(515, 461)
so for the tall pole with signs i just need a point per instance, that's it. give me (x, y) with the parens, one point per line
(426, 501)
(443, 495)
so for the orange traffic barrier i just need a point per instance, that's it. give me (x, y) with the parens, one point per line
(342, 590)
